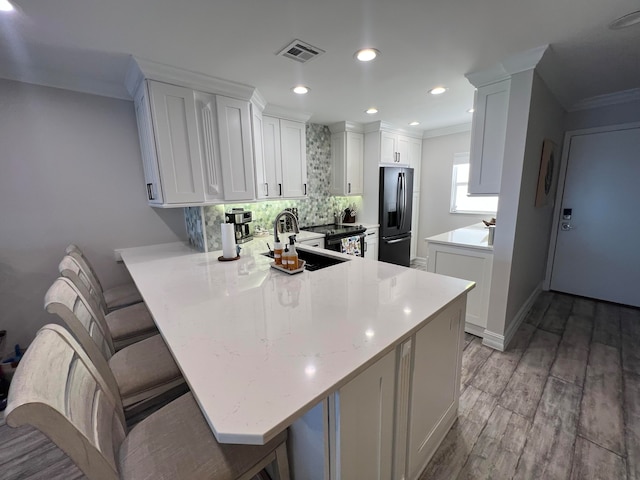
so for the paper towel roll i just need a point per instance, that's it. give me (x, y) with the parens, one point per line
(228, 240)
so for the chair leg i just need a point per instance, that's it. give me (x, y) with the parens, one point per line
(282, 461)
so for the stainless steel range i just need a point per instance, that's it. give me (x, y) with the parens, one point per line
(334, 235)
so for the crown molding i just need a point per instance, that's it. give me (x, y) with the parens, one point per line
(140, 69)
(286, 113)
(346, 127)
(450, 130)
(258, 100)
(511, 65)
(616, 98)
(388, 127)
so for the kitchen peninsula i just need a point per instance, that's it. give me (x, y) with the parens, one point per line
(361, 360)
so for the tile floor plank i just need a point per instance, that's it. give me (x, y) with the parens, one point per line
(496, 452)
(592, 462)
(584, 306)
(601, 414)
(539, 308)
(475, 409)
(497, 370)
(555, 318)
(474, 357)
(630, 332)
(548, 453)
(606, 327)
(526, 385)
(632, 430)
(573, 353)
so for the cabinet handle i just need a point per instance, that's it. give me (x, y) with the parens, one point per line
(349, 189)
(266, 185)
(280, 187)
(305, 188)
(150, 191)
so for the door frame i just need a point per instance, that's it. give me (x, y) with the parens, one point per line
(562, 177)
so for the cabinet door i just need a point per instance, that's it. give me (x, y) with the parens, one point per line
(338, 160)
(317, 242)
(435, 385)
(257, 127)
(272, 157)
(388, 148)
(148, 146)
(415, 161)
(236, 153)
(488, 135)
(354, 163)
(415, 216)
(174, 119)
(371, 244)
(402, 147)
(365, 422)
(293, 143)
(209, 148)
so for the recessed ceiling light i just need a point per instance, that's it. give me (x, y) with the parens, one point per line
(471, 110)
(371, 111)
(367, 54)
(437, 91)
(413, 124)
(5, 6)
(625, 21)
(300, 89)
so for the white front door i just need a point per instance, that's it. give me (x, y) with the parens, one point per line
(597, 252)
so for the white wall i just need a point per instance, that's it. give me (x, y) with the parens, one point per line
(522, 233)
(70, 171)
(435, 193)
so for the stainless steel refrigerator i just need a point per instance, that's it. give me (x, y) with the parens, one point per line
(396, 188)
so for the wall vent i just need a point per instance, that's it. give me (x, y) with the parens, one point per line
(300, 51)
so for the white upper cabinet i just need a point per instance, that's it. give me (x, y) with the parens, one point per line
(488, 135)
(347, 161)
(234, 127)
(284, 167)
(178, 152)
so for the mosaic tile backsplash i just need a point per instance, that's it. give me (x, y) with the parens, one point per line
(317, 209)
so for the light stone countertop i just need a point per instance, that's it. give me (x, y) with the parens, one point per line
(259, 347)
(473, 236)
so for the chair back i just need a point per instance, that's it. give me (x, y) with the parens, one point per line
(88, 275)
(59, 391)
(70, 268)
(65, 300)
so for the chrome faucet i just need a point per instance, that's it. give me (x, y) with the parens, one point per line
(294, 222)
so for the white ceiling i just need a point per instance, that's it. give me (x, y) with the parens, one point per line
(85, 45)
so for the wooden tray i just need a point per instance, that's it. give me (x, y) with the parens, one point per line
(290, 272)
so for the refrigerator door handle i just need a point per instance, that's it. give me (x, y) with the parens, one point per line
(404, 206)
(398, 240)
(399, 200)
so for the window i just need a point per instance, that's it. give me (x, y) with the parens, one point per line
(461, 202)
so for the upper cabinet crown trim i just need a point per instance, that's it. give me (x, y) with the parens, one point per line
(346, 127)
(140, 69)
(286, 114)
(388, 127)
(511, 65)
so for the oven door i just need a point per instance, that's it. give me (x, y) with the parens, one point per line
(335, 243)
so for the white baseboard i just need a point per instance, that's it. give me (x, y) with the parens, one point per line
(500, 342)
(476, 330)
(420, 261)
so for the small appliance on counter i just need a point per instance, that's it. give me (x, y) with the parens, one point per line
(241, 219)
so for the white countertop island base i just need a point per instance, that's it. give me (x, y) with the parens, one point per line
(260, 349)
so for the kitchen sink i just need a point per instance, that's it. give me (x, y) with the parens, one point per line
(314, 261)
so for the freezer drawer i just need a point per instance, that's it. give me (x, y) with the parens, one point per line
(395, 250)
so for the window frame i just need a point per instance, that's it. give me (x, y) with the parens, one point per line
(459, 160)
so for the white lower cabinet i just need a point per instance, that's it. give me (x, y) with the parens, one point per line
(389, 420)
(317, 242)
(415, 217)
(371, 243)
(475, 264)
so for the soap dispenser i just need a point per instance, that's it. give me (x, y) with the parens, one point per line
(286, 258)
(293, 254)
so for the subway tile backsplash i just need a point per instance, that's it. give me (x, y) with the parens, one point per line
(317, 209)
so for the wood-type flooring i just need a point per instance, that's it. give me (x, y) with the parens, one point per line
(563, 402)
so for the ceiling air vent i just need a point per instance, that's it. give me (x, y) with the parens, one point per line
(300, 51)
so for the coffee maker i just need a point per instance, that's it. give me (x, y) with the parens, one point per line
(241, 220)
